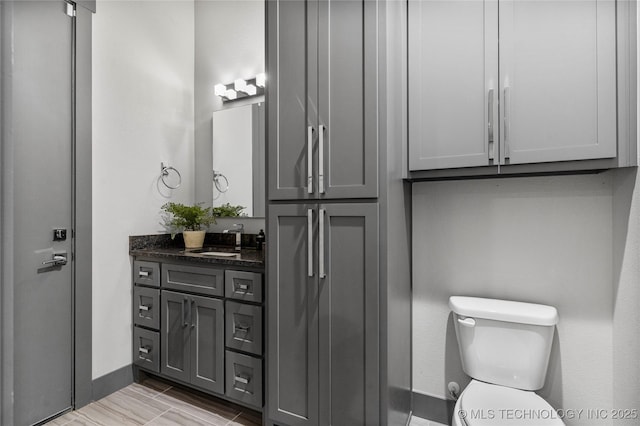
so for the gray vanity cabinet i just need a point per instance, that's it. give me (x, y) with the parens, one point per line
(192, 340)
(323, 323)
(322, 124)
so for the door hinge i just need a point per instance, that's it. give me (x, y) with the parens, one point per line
(70, 9)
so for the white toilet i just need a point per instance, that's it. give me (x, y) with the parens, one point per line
(504, 347)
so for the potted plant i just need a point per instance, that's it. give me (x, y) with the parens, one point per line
(189, 220)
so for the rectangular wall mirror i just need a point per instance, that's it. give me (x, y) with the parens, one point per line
(239, 157)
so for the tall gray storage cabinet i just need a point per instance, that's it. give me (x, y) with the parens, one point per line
(338, 302)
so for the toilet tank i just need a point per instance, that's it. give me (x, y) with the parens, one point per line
(504, 342)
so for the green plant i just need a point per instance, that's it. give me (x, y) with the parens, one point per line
(227, 210)
(179, 217)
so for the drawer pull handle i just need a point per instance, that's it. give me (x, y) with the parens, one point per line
(143, 273)
(242, 328)
(242, 379)
(144, 308)
(143, 350)
(243, 287)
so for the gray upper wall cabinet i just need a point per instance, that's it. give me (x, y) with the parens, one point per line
(322, 99)
(505, 83)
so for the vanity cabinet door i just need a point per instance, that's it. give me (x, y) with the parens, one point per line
(292, 296)
(175, 330)
(207, 343)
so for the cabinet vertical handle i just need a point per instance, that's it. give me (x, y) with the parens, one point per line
(321, 271)
(310, 242)
(310, 159)
(321, 129)
(192, 309)
(491, 145)
(184, 313)
(507, 105)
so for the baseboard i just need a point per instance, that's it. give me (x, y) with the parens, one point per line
(112, 382)
(432, 408)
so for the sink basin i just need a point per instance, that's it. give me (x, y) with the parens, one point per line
(219, 254)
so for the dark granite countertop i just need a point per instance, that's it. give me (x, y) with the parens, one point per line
(163, 247)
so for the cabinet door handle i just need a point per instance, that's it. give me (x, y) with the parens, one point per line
(310, 159)
(143, 350)
(507, 105)
(491, 146)
(321, 271)
(321, 129)
(310, 242)
(143, 308)
(193, 308)
(184, 313)
(143, 273)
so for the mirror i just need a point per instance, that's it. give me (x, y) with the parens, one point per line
(239, 158)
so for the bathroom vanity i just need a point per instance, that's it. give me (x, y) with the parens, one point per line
(198, 317)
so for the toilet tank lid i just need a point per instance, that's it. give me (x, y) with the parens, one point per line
(504, 310)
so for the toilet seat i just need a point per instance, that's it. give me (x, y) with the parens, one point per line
(490, 405)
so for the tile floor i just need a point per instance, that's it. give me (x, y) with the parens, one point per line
(156, 403)
(417, 421)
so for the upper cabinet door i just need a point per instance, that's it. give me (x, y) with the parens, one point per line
(453, 83)
(347, 99)
(322, 99)
(292, 98)
(558, 80)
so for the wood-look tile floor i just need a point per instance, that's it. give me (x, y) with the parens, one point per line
(156, 403)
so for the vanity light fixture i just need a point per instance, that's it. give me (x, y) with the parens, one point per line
(241, 88)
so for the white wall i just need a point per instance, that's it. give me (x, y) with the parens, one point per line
(143, 113)
(545, 240)
(230, 44)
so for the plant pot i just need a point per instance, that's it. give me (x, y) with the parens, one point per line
(193, 239)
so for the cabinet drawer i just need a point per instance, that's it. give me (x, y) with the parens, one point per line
(146, 273)
(146, 349)
(146, 307)
(244, 378)
(243, 326)
(193, 279)
(243, 285)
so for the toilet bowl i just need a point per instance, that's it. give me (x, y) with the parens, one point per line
(504, 347)
(484, 404)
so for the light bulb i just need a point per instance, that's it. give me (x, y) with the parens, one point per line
(220, 90)
(261, 79)
(239, 85)
(231, 94)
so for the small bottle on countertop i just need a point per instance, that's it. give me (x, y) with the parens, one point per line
(260, 239)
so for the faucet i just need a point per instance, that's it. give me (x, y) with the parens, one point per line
(237, 228)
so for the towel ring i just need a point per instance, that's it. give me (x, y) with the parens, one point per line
(216, 181)
(164, 172)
